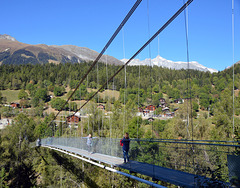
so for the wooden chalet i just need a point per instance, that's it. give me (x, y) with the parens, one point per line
(150, 108)
(178, 101)
(162, 101)
(101, 107)
(165, 110)
(150, 119)
(170, 114)
(15, 105)
(73, 119)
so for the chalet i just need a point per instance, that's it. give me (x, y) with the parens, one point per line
(15, 105)
(73, 119)
(145, 112)
(101, 107)
(178, 101)
(5, 122)
(150, 108)
(163, 105)
(170, 114)
(165, 110)
(150, 119)
(162, 101)
(175, 109)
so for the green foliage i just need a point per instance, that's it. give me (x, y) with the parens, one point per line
(7, 111)
(73, 106)
(23, 94)
(134, 128)
(195, 106)
(1, 98)
(16, 156)
(58, 103)
(3, 178)
(41, 93)
(58, 91)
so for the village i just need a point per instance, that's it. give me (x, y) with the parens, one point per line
(149, 112)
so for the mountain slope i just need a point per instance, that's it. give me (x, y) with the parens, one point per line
(161, 62)
(15, 52)
(89, 55)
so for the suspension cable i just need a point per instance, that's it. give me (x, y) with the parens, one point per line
(125, 84)
(188, 80)
(188, 73)
(142, 48)
(233, 61)
(150, 57)
(138, 99)
(102, 52)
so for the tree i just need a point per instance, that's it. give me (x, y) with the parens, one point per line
(24, 103)
(73, 106)
(31, 88)
(1, 98)
(134, 127)
(58, 91)
(156, 89)
(41, 93)
(195, 106)
(22, 94)
(17, 156)
(58, 103)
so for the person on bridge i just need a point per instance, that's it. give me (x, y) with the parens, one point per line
(89, 143)
(125, 141)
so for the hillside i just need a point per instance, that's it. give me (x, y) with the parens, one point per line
(88, 54)
(15, 52)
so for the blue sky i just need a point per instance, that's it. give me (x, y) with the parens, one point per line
(91, 23)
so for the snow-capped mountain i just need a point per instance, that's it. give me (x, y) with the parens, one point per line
(161, 62)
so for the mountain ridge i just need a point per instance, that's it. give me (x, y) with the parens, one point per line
(89, 54)
(162, 62)
(15, 52)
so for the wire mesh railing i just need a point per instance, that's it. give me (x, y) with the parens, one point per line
(202, 158)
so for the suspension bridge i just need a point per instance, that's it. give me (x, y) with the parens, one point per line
(191, 167)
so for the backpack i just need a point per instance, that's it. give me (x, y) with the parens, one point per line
(121, 144)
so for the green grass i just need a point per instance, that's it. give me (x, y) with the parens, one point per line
(108, 93)
(12, 95)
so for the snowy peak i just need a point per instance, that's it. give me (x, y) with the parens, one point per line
(162, 62)
(7, 37)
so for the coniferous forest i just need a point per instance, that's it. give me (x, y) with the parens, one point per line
(203, 99)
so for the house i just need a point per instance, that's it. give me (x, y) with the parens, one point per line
(162, 101)
(5, 122)
(145, 112)
(150, 108)
(175, 109)
(165, 110)
(101, 107)
(73, 119)
(170, 114)
(178, 101)
(163, 105)
(15, 105)
(150, 119)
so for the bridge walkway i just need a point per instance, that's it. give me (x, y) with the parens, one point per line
(176, 177)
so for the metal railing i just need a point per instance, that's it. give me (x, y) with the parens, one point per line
(202, 158)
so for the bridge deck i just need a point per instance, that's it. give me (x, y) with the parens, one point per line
(160, 173)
